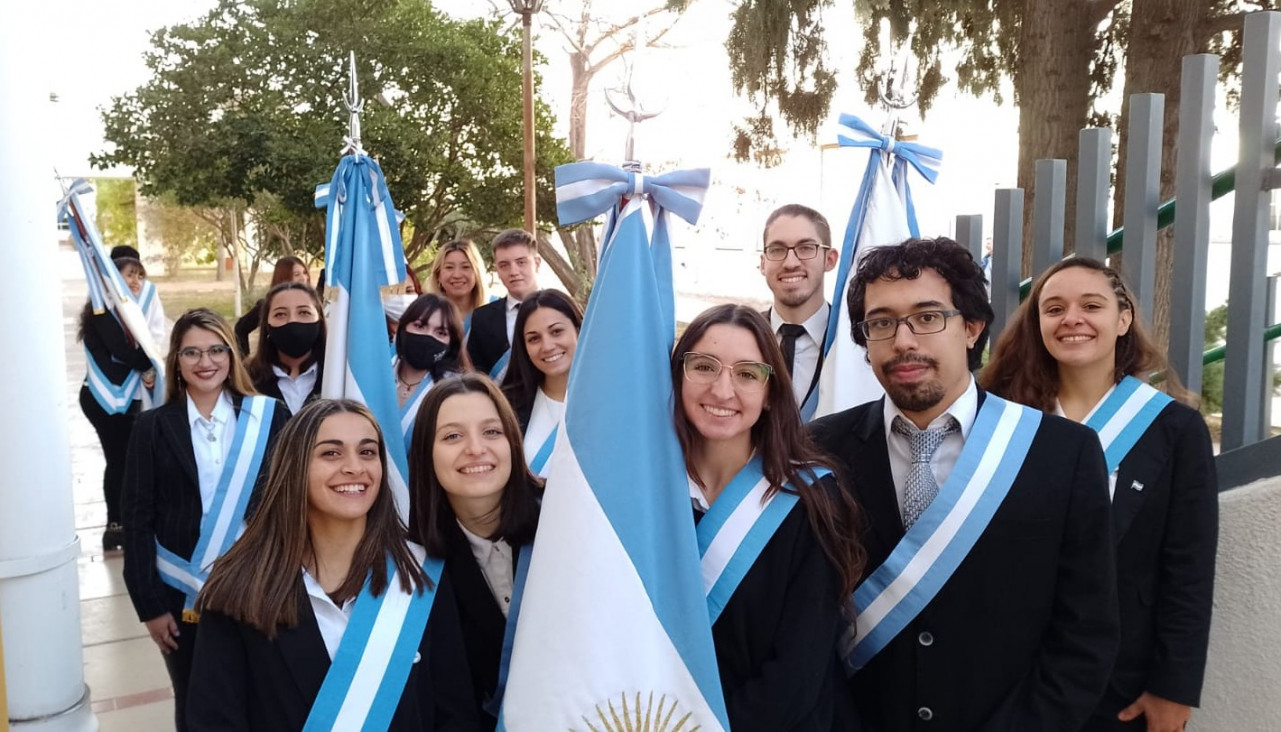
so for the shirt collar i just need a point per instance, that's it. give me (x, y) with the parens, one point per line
(512, 303)
(481, 546)
(281, 373)
(223, 411)
(963, 410)
(815, 325)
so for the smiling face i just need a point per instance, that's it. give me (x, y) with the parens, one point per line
(300, 275)
(720, 411)
(550, 340)
(517, 267)
(1081, 318)
(457, 278)
(471, 454)
(208, 374)
(134, 278)
(796, 283)
(922, 374)
(345, 469)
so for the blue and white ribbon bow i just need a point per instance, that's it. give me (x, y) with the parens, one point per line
(926, 160)
(587, 190)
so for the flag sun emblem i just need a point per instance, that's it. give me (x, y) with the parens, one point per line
(624, 718)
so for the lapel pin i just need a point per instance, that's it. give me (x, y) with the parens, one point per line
(1136, 485)
(417, 657)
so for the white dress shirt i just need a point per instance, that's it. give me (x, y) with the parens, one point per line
(512, 306)
(296, 391)
(495, 561)
(211, 441)
(1058, 412)
(331, 619)
(808, 349)
(963, 410)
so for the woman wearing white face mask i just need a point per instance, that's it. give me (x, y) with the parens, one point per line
(537, 380)
(291, 350)
(429, 347)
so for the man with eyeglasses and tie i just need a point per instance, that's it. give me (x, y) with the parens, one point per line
(987, 601)
(796, 251)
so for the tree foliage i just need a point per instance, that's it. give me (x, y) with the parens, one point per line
(248, 102)
(117, 211)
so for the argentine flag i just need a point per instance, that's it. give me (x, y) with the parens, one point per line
(883, 215)
(614, 627)
(362, 253)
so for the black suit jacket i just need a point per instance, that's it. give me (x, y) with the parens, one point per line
(482, 621)
(161, 500)
(488, 339)
(776, 637)
(240, 680)
(1021, 638)
(1165, 515)
(113, 352)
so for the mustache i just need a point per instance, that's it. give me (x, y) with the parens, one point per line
(907, 358)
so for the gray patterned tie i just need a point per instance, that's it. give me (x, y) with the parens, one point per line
(921, 486)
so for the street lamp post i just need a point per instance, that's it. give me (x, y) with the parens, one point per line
(527, 8)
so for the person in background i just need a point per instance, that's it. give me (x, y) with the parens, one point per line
(144, 293)
(291, 350)
(489, 342)
(457, 272)
(288, 269)
(1077, 348)
(429, 348)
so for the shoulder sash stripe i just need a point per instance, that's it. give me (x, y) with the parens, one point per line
(1124, 416)
(544, 453)
(409, 412)
(494, 705)
(945, 533)
(500, 366)
(113, 398)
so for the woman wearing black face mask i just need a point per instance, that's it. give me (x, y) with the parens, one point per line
(429, 347)
(291, 350)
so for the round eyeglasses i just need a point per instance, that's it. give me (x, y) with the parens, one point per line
(701, 368)
(217, 354)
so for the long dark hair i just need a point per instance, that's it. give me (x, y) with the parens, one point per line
(430, 514)
(788, 455)
(1022, 370)
(257, 583)
(284, 270)
(237, 378)
(267, 356)
(523, 377)
(420, 311)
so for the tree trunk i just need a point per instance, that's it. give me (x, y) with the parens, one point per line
(1052, 89)
(581, 243)
(572, 279)
(1162, 33)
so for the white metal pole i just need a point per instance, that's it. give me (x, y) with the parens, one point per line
(39, 592)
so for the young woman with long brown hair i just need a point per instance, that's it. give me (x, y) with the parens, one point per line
(190, 474)
(323, 615)
(777, 615)
(287, 269)
(1077, 347)
(290, 359)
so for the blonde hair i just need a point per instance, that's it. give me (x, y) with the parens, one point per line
(470, 251)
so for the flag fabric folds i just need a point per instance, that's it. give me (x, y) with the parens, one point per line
(883, 215)
(363, 252)
(614, 621)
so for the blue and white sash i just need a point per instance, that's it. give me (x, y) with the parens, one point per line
(147, 300)
(500, 366)
(1124, 415)
(538, 463)
(734, 531)
(223, 523)
(495, 703)
(941, 538)
(409, 411)
(367, 677)
(113, 398)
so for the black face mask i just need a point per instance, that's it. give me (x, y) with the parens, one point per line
(421, 352)
(295, 340)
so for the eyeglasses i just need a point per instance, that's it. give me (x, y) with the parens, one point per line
(804, 250)
(922, 323)
(701, 368)
(217, 354)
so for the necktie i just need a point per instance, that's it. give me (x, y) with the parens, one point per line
(788, 333)
(921, 487)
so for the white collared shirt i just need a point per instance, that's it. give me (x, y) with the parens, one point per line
(512, 306)
(331, 619)
(495, 561)
(296, 391)
(211, 441)
(1058, 412)
(963, 410)
(696, 496)
(809, 348)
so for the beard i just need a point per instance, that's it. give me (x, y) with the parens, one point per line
(918, 397)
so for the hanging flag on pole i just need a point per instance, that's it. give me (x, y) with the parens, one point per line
(614, 622)
(109, 293)
(883, 215)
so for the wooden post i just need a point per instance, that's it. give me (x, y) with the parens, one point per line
(531, 220)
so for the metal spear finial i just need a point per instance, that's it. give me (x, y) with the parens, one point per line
(354, 107)
(634, 111)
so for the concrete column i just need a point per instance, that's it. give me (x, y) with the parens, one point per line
(39, 591)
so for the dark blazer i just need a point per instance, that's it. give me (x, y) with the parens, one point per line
(482, 621)
(1023, 634)
(240, 680)
(161, 500)
(113, 352)
(488, 340)
(269, 384)
(1165, 518)
(776, 638)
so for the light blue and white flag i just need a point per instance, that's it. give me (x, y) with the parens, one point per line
(109, 293)
(883, 215)
(614, 619)
(363, 252)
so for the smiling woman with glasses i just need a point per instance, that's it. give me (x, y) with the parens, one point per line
(777, 608)
(192, 467)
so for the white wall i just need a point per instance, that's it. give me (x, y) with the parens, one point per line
(1243, 677)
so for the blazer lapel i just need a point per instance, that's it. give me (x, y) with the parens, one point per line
(1132, 488)
(177, 430)
(303, 649)
(874, 482)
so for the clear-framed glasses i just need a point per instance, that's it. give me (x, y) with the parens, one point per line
(804, 250)
(922, 323)
(217, 354)
(701, 368)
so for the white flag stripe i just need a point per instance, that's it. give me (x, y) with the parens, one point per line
(730, 537)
